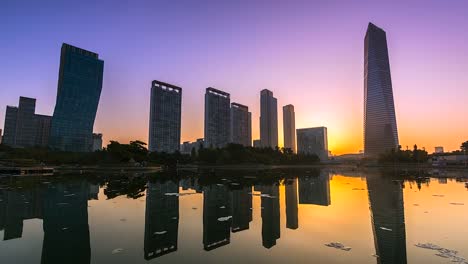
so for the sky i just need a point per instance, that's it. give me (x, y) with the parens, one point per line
(309, 53)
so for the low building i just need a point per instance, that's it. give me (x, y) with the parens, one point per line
(97, 141)
(187, 146)
(439, 150)
(313, 141)
(257, 143)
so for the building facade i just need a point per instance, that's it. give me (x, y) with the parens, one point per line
(165, 117)
(380, 127)
(289, 127)
(78, 92)
(217, 118)
(268, 119)
(257, 143)
(241, 125)
(23, 128)
(313, 141)
(97, 141)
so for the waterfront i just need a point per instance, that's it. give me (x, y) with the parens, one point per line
(270, 216)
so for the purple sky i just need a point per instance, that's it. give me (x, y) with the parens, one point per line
(309, 53)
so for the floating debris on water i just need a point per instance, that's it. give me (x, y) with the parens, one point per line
(117, 250)
(438, 195)
(160, 232)
(222, 207)
(457, 203)
(386, 229)
(223, 219)
(416, 204)
(123, 219)
(179, 194)
(194, 208)
(359, 189)
(375, 255)
(338, 245)
(444, 252)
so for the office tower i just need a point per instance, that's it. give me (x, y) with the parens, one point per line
(270, 214)
(1, 136)
(24, 128)
(241, 208)
(161, 219)
(216, 216)
(315, 189)
(217, 118)
(289, 127)
(292, 221)
(380, 127)
(388, 216)
(78, 92)
(97, 141)
(313, 141)
(165, 116)
(241, 132)
(268, 119)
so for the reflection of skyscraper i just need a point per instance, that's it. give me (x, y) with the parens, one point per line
(78, 93)
(66, 230)
(241, 208)
(216, 213)
(388, 218)
(380, 128)
(291, 204)
(270, 214)
(165, 115)
(268, 119)
(161, 219)
(315, 189)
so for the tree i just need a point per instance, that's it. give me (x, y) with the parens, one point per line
(464, 146)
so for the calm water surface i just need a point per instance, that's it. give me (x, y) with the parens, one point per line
(277, 216)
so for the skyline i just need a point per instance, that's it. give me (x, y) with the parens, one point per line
(284, 57)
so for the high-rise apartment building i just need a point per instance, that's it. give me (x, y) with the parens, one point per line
(268, 119)
(24, 128)
(78, 92)
(165, 117)
(289, 127)
(380, 127)
(241, 125)
(217, 118)
(313, 141)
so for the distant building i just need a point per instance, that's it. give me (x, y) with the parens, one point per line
(380, 127)
(439, 150)
(268, 119)
(1, 136)
(187, 146)
(24, 128)
(289, 127)
(97, 141)
(165, 117)
(313, 141)
(78, 93)
(241, 125)
(217, 118)
(257, 143)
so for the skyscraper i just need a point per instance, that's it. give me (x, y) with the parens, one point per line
(165, 116)
(241, 132)
(380, 128)
(78, 92)
(313, 141)
(24, 128)
(268, 119)
(217, 118)
(289, 127)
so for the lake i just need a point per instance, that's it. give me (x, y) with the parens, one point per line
(236, 216)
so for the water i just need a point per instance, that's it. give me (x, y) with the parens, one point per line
(278, 216)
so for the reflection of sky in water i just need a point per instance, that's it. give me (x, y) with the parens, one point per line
(135, 221)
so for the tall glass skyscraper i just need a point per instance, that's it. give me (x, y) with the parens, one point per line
(268, 119)
(78, 93)
(165, 116)
(217, 118)
(380, 128)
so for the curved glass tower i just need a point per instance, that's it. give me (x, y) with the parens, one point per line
(380, 128)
